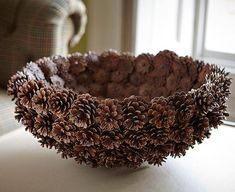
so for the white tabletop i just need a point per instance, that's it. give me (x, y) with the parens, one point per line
(27, 167)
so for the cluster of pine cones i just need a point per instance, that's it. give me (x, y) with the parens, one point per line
(116, 109)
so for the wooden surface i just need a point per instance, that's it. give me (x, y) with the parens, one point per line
(27, 167)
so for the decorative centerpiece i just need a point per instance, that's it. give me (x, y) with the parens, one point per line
(116, 109)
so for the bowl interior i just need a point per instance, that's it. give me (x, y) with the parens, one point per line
(113, 75)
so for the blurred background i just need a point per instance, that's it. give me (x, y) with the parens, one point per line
(30, 29)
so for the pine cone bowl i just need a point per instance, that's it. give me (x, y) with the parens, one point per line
(115, 109)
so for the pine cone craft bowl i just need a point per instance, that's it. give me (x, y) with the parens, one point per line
(115, 109)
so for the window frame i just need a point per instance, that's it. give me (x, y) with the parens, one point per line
(199, 51)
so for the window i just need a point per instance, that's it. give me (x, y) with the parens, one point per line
(203, 29)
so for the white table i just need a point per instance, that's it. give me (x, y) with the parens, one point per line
(27, 167)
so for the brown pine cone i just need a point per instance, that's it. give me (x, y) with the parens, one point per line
(61, 101)
(126, 63)
(115, 90)
(43, 124)
(137, 79)
(83, 111)
(57, 82)
(63, 132)
(28, 120)
(109, 60)
(134, 111)
(35, 70)
(204, 99)
(132, 158)
(66, 150)
(78, 63)
(47, 66)
(179, 149)
(47, 142)
(93, 62)
(101, 76)
(28, 90)
(172, 82)
(40, 100)
(110, 159)
(63, 74)
(85, 152)
(217, 116)
(157, 136)
(89, 137)
(144, 63)
(205, 69)
(135, 139)
(184, 106)
(180, 134)
(109, 114)
(118, 76)
(201, 128)
(157, 155)
(85, 77)
(15, 82)
(162, 63)
(146, 90)
(97, 90)
(111, 139)
(20, 111)
(162, 115)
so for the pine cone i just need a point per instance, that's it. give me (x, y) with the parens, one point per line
(184, 106)
(89, 137)
(43, 124)
(179, 149)
(162, 115)
(109, 60)
(115, 90)
(134, 110)
(217, 116)
(126, 63)
(85, 77)
(157, 136)
(156, 155)
(85, 152)
(201, 128)
(28, 90)
(28, 120)
(118, 76)
(15, 83)
(66, 150)
(93, 62)
(182, 134)
(135, 139)
(47, 142)
(204, 99)
(78, 63)
(101, 76)
(132, 157)
(40, 100)
(63, 132)
(48, 67)
(109, 114)
(110, 159)
(137, 79)
(111, 139)
(144, 63)
(61, 101)
(20, 111)
(35, 70)
(83, 111)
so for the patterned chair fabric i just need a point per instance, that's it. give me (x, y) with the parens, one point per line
(31, 29)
